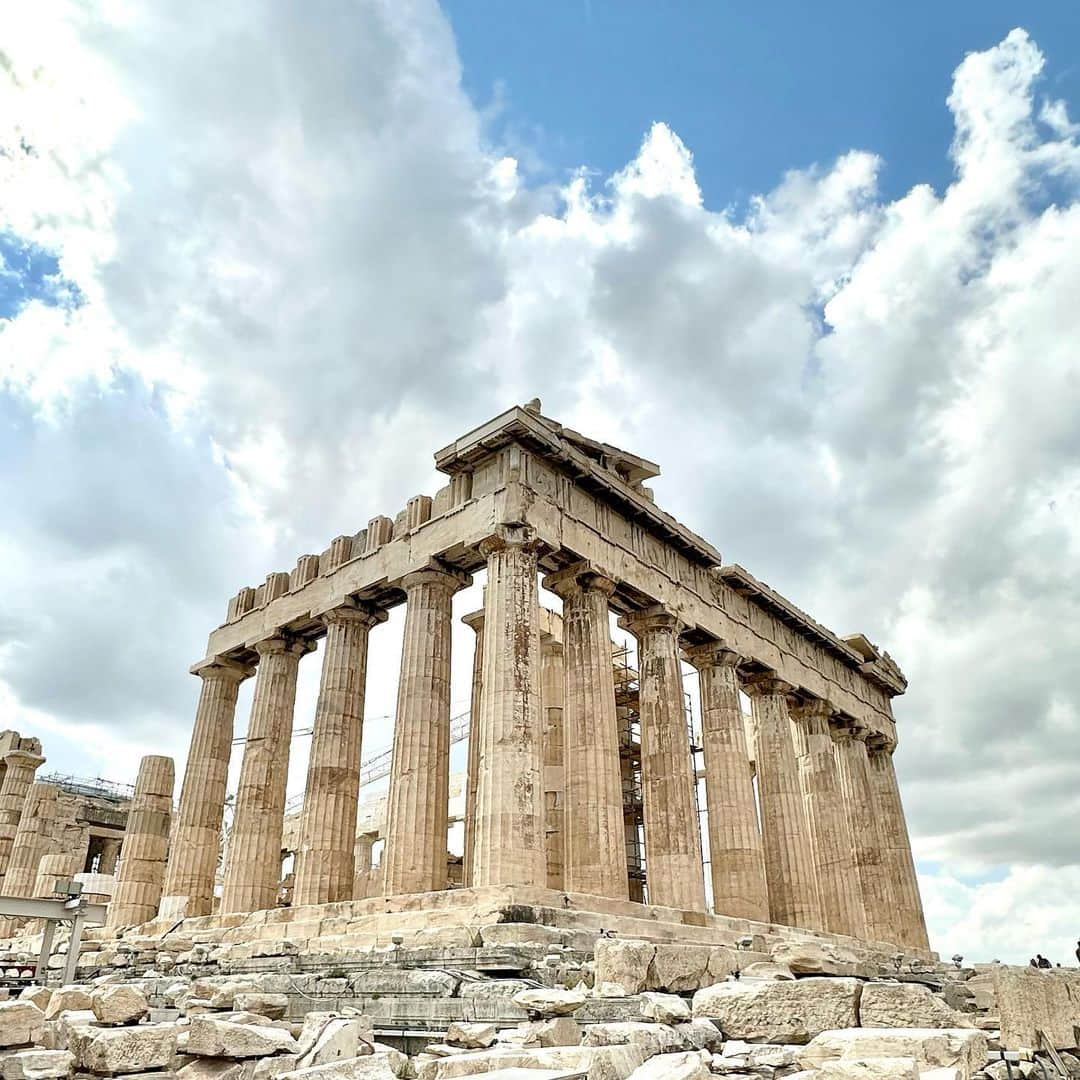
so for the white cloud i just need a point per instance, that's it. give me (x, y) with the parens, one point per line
(305, 268)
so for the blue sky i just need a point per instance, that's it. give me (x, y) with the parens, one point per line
(579, 81)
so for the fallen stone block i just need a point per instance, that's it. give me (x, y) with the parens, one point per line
(699, 1034)
(622, 966)
(338, 1040)
(688, 1065)
(680, 968)
(404, 981)
(382, 1065)
(553, 1002)
(208, 1037)
(780, 1012)
(216, 1069)
(813, 958)
(555, 1031)
(931, 1048)
(765, 970)
(471, 1036)
(36, 995)
(224, 995)
(884, 1068)
(510, 934)
(650, 1039)
(20, 1023)
(271, 1068)
(128, 1050)
(272, 1006)
(664, 1008)
(1032, 1000)
(123, 1004)
(905, 1005)
(67, 999)
(38, 1065)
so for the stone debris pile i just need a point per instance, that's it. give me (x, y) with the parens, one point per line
(987, 1023)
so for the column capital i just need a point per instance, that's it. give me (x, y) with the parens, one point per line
(436, 573)
(712, 654)
(877, 743)
(510, 536)
(474, 621)
(356, 612)
(284, 643)
(580, 577)
(765, 684)
(842, 728)
(24, 757)
(654, 618)
(222, 667)
(804, 710)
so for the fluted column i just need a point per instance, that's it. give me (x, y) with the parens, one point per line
(736, 857)
(475, 621)
(552, 679)
(110, 856)
(253, 866)
(785, 832)
(324, 857)
(509, 845)
(674, 874)
(868, 852)
(32, 839)
(416, 807)
(146, 841)
(830, 829)
(898, 857)
(20, 766)
(193, 854)
(595, 847)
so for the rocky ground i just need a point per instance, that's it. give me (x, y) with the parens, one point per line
(804, 1013)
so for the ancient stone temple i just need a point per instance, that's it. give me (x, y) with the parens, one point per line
(805, 827)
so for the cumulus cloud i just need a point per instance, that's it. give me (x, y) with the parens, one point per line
(303, 266)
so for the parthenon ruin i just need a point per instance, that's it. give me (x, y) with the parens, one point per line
(805, 826)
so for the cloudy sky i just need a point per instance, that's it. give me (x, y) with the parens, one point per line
(256, 265)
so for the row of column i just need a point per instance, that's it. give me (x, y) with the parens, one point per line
(831, 835)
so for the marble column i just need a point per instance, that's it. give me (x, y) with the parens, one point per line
(32, 839)
(141, 876)
(110, 856)
(736, 857)
(325, 853)
(594, 827)
(674, 875)
(193, 854)
(509, 845)
(785, 831)
(475, 622)
(253, 863)
(362, 886)
(416, 807)
(830, 829)
(898, 857)
(552, 679)
(18, 776)
(868, 853)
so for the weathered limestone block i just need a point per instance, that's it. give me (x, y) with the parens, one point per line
(404, 981)
(680, 968)
(982, 986)
(334, 1038)
(765, 969)
(219, 1038)
(622, 966)
(123, 1004)
(555, 1031)
(38, 995)
(38, 1065)
(814, 958)
(746, 1055)
(20, 1023)
(780, 1012)
(553, 1002)
(216, 1069)
(382, 1065)
(521, 934)
(700, 1034)
(128, 1050)
(688, 1065)
(471, 1036)
(931, 1048)
(903, 1005)
(68, 999)
(885, 1068)
(1029, 999)
(74, 1029)
(269, 1068)
(273, 1006)
(223, 995)
(664, 1008)
(650, 1039)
